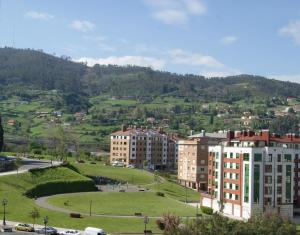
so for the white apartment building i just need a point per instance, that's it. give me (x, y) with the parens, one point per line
(252, 173)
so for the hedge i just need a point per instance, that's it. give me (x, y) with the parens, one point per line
(57, 187)
(207, 210)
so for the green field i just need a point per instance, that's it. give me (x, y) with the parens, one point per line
(12, 188)
(132, 176)
(138, 177)
(19, 206)
(147, 203)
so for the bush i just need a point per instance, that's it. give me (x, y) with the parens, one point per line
(160, 194)
(75, 215)
(160, 224)
(56, 187)
(207, 210)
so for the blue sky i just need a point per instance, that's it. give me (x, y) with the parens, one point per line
(206, 37)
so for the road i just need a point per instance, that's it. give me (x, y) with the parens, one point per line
(31, 164)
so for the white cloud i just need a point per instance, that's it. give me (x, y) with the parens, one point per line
(155, 63)
(175, 12)
(291, 30)
(195, 7)
(220, 73)
(39, 15)
(228, 40)
(83, 25)
(179, 56)
(171, 16)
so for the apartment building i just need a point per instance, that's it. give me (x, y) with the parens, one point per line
(252, 173)
(193, 159)
(143, 147)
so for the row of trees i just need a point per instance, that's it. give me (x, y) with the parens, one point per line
(269, 224)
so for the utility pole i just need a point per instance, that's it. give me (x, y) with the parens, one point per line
(91, 207)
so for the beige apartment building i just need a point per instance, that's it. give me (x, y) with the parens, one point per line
(193, 159)
(143, 147)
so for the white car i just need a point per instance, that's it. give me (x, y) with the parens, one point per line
(70, 232)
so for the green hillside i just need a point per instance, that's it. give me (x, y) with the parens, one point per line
(41, 93)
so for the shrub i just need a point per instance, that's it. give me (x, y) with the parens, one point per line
(160, 194)
(207, 210)
(75, 215)
(160, 224)
(56, 187)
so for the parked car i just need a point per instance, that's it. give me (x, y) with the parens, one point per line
(117, 163)
(70, 232)
(131, 166)
(6, 229)
(93, 231)
(24, 227)
(49, 230)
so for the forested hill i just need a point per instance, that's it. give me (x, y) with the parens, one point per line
(25, 68)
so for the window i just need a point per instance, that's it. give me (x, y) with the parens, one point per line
(268, 168)
(268, 179)
(246, 183)
(279, 179)
(237, 155)
(278, 157)
(246, 156)
(279, 168)
(257, 157)
(288, 157)
(279, 190)
(256, 183)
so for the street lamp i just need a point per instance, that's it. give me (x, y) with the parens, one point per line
(45, 223)
(146, 221)
(4, 203)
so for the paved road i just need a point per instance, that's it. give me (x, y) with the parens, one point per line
(31, 164)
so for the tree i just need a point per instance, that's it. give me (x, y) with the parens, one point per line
(18, 163)
(34, 214)
(286, 124)
(1, 135)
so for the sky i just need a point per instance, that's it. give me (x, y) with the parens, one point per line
(205, 37)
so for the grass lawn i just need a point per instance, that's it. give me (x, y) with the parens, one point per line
(147, 203)
(176, 191)
(132, 176)
(12, 188)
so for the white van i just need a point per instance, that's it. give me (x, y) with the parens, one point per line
(93, 231)
(117, 163)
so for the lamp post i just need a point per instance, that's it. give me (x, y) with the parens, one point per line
(146, 221)
(4, 203)
(45, 223)
(91, 207)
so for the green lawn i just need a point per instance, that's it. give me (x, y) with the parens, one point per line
(147, 203)
(132, 176)
(12, 188)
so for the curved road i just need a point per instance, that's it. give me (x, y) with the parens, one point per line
(31, 164)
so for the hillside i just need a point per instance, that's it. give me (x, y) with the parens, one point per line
(25, 67)
(41, 93)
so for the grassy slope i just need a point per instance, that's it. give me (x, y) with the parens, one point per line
(12, 187)
(132, 176)
(138, 177)
(148, 203)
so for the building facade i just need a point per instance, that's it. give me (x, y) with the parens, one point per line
(143, 147)
(252, 173)
(193, 159)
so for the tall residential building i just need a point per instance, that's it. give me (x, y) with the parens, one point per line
(144, 147)
(193, 159)
(252, 173)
